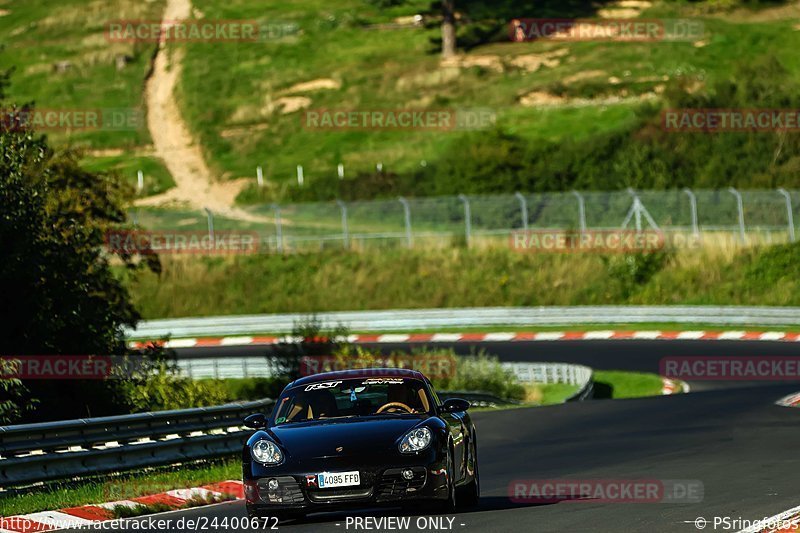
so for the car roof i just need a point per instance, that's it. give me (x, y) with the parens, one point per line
(360, 373)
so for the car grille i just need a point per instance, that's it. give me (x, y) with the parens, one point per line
(329, 495)
(288, 491)
(393, 485)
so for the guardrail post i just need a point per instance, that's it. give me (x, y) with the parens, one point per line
(210, 217)
(278, 227)
(693, 207)
(581, 211)
(789, 214)
(407, 215)
(740, 208)
(345, 231)
(523, 205)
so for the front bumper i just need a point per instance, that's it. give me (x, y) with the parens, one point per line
(380, 485)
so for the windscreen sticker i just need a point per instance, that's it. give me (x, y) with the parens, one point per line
(323, 385)
(280, 420)
(384, 381)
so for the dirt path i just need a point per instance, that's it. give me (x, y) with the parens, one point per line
(196, 186)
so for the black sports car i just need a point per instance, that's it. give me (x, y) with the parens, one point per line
(360, 438)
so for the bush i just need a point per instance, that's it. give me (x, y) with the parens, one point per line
(162, 388)
(482, 373)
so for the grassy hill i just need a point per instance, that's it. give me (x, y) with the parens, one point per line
(568, 114)
(61, 59)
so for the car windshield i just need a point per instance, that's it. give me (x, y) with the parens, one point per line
(352, 398)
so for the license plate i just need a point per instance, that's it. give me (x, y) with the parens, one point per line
(328, 480)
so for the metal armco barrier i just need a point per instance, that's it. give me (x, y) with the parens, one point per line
(427, 319)
(80, 448)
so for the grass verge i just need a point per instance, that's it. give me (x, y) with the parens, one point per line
(459, 277)
(618, 385)
(60, 495)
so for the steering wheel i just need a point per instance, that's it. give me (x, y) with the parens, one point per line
(396, 405)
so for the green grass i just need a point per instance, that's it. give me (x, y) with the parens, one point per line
(409, 279)
(238, 130)
(230, 93)
(41, 33)
(157, 178)
(620, 385)
(106, 488)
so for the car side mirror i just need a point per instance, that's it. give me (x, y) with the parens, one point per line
(256, 421)
(455, 405)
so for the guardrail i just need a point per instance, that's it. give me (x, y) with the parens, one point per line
(48, 451)
(430, 319)
(262, 367)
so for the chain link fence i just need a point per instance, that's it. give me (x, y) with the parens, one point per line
(730, 216)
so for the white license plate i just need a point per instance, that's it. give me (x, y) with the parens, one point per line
(328, 480)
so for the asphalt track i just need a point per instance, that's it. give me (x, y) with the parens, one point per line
(730, 437)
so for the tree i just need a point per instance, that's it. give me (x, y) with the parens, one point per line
(448, 28)
(60, 295)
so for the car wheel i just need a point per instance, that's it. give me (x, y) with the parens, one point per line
(450, 503)
(471, 493)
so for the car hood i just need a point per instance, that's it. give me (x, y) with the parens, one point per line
(354, 436)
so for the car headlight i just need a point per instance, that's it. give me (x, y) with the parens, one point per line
(267, 452)
(416, 440)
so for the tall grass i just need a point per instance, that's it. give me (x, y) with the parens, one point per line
(459, 277)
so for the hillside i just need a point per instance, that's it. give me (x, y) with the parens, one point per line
(567, 114)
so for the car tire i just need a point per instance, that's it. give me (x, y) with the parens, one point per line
(450, 503)
(471, 492)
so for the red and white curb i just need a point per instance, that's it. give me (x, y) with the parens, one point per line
(390, 338)
(86, 515)
(671, 386)
(793, 400)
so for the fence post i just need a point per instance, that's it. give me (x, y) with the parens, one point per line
(210, 217)
(407, 215)
(740, 207)
(693, 206)
(259, 176)
(467, 218)
(345, 232)
(636, 209)
(278, 227)
(140, 181)
(789, 214)
(523, 205)
(581, 211)
(300, 176)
